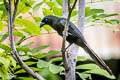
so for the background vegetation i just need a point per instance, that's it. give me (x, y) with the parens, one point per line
(24, 29)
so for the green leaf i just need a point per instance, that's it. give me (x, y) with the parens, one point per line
(81, 58)
(30, 63)
(24, 7)
(24, 57)
(87, 11)
(49, 3)
(83, 76)
(47, 12)
(29, 44)
(96, 11)
(5, 48)
(57, 11)
(1, 26)
(52, 52)
(88, 19)
(26, 78)
(35, 69)
(30, 27)
(34, 50)
(5, 62)
(13, 62)
(37, 19)
(107, 15)
(17, 33)
(47, 27)
(55, 69)
(56, 59)
(42, 64)
(74, 13)
(23, 48)
(3, 73)
(36, 7)
(20, 71)
(87, 66)
(4, 14)
(60, 2)
(4, 37)
(101, 72)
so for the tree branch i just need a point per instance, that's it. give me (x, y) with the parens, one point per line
(65, 54)
(14, 51)
(15, 10)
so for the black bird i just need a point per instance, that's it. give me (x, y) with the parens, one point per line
(74, 36)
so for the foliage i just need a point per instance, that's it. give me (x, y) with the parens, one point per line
(25, 29)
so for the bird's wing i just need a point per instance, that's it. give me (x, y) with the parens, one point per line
(73, 30)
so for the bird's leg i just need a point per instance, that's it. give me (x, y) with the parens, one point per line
(67, 47)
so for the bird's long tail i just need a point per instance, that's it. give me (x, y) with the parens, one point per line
(96, 58)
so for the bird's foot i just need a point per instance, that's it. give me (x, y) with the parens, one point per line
(66, 34)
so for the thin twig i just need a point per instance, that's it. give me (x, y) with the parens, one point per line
(15, 10)
(14, 51)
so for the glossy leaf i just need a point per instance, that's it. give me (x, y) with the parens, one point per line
(57, 11)
(36, 7)
(101, 72)
(3, 38)
(60, 2)
(42, 64)
(23, 49)
(29, 44)
(17, 33)
(34, 50)
(5, 62)
(5, 47)
(26, 78)
(24, 7)
(87, 66)
(55, 69)
(49, 3)
(52, 52)
(56, 59)
(46, 12)
(83, 76)
(3, 73)
(13, 62)
(87, 11)
(107, 15)
(20, 71)
(74, 13)
(29, 26)
(37, 19)
(30, 63)
(96, 11)
(1, 26)
(24, 57)
(81, 58)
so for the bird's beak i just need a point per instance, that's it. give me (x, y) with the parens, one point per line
(42, 24)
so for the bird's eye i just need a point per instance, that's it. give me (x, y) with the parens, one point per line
(46, 20)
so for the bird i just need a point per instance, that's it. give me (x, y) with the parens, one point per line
(73, 36)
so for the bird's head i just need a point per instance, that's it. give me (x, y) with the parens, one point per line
(48, 20)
